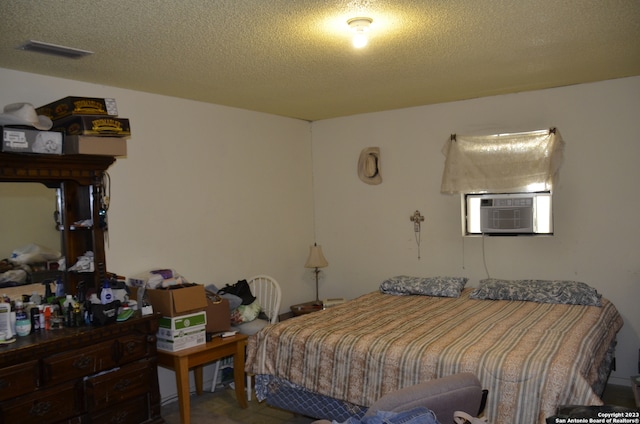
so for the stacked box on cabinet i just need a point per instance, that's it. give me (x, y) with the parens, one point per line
(91, 125)
(31, 140)
(70, 106)
(184, 317)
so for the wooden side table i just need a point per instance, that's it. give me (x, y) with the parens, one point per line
(196, 357)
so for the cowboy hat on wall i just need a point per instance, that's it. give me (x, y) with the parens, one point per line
(369, 166)
(24, 114)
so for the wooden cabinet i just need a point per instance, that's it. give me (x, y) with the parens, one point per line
(83, 375)
(79, 181)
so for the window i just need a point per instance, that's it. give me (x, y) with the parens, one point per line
(505, 181)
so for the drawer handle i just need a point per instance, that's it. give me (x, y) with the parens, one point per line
(131, 347)
(82, 363)
(121, 417)
(40, 409)
(123, 385)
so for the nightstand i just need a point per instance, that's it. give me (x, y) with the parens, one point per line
(301, 309)
(306, 308)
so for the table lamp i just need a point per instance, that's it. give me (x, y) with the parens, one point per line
(316, 260)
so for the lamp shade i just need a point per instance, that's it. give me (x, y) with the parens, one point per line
(316, 258)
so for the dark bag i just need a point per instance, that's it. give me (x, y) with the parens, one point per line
(240, 289)
(104, 314)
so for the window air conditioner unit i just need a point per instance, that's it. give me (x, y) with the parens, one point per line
(509, 214)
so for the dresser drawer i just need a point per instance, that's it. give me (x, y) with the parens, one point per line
(108, 389)
(134, 411)
(79, 362)
(102, 374)
(134, 347)
(18, 380)
(44, 406)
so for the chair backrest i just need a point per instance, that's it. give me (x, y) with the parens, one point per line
(267, 291)
(444, 396)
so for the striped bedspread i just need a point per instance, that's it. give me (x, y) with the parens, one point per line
(531, 356)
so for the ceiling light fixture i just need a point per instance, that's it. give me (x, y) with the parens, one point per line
(360, 27)
(54, 49)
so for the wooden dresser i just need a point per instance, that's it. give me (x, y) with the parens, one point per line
(92, 375)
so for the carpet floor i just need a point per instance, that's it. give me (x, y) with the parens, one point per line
(220, 407)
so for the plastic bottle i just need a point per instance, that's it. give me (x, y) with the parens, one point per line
(23, 322)
(67, 302)
(67, 310)
(47, 317)
(59, 288)
(106, 295)
(77, 315)
(5, 319)
(34, 313)
(48, 294)
(41, 316)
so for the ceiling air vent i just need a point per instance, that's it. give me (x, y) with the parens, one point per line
(54, 49)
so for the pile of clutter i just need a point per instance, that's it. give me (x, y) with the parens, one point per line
(159, 279)
(56, 309)
(17, 269)
(32, 258)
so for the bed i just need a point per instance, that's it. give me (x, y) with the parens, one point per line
(532, 355)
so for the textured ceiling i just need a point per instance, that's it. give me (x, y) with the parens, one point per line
(294, 57)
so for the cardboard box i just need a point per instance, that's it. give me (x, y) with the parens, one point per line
(183, 322)
(78, 106)
(22, 140)
(103, 126)
(175, 302)
(183, 342)
(218, 316)
(173, 335)
(87, 145)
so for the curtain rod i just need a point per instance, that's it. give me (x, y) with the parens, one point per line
(552, 130)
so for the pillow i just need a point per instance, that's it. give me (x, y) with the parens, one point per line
(542, 291)
(403, 285)
(245, 313)
(250, 328)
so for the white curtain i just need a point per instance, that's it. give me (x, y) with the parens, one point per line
(502, 163)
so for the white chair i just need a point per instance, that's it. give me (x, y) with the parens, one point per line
(268, 294)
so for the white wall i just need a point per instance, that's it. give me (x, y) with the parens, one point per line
(221, 193)
(217, 193)
(366, 233)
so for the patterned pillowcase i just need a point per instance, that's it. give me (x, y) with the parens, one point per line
(245, 313)
(404, 285)
(542, 291)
